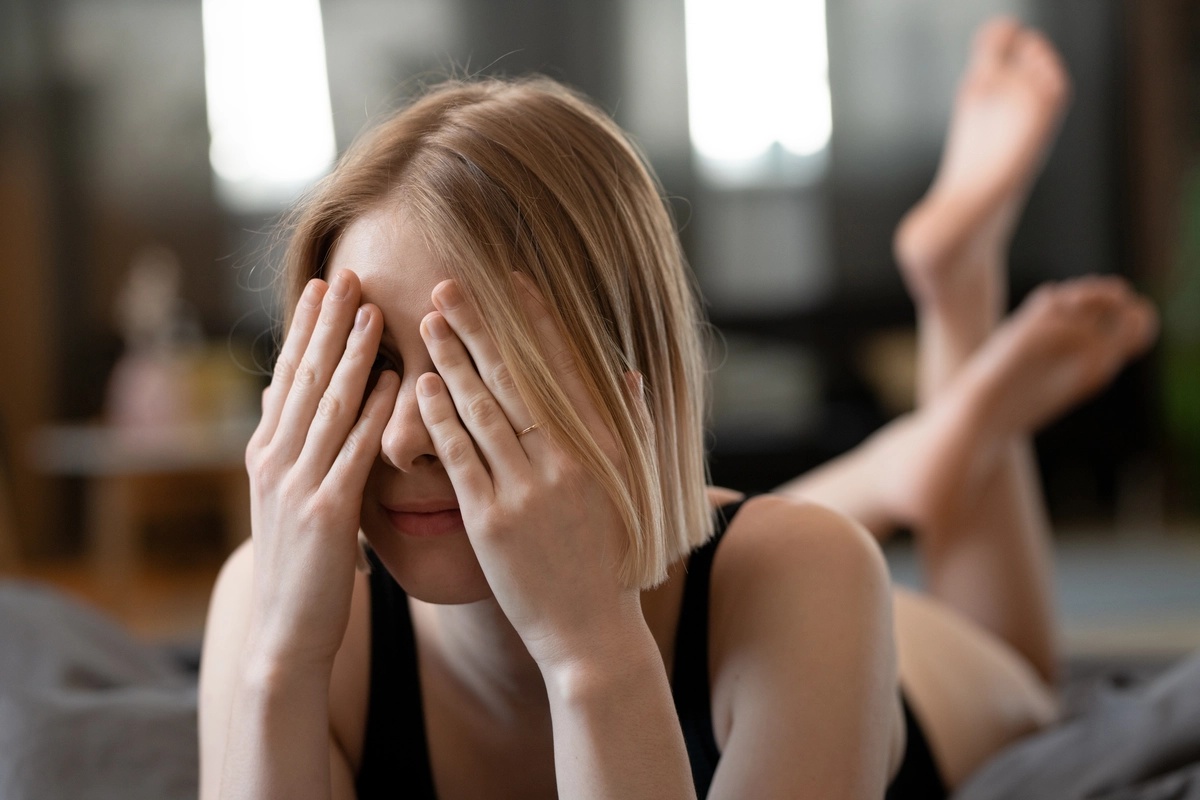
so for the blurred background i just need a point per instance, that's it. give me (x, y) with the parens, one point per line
(147, 148)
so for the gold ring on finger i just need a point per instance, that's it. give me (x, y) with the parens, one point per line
(532, 427)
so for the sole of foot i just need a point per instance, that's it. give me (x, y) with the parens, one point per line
(1066, 342)
(1006, 115)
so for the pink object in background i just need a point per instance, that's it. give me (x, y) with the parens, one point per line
(152, 384)
(150, 390)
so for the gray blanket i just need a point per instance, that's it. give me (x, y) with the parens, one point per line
(87, 712)
(1130, 743)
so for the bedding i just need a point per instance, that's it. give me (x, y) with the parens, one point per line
(87, 711)
(1129, 739)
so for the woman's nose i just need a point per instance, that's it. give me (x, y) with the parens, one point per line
(406, 443)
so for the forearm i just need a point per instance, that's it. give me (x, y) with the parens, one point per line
(278, 744)
(616, 733)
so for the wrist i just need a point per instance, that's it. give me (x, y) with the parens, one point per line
(619, 657)
(278, 643)
(271, 671)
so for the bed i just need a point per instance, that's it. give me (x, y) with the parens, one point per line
(87, 711)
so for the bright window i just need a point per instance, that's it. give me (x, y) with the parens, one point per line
(758, 84)
(268, 99)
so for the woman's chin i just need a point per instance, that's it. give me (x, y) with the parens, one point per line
(441, 569)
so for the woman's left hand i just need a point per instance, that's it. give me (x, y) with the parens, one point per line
(544, 529)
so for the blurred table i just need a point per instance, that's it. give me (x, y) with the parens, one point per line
(8, 527)
(125, 469)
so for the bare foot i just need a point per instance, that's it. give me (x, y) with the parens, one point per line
(1009, 104)
(1062, 345)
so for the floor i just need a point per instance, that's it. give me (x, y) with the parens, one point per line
(164, 603)
(1133, 593)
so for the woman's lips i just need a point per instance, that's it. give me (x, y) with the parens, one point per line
(427, 523)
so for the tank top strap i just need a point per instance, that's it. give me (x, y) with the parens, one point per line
(690, 679)
(395, 748)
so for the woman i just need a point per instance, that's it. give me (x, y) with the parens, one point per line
(494, 372)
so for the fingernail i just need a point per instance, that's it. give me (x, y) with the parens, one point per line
(311, 297)
(448, 295)
(362, 318)
(340, 287)
(428, 384)
(436, 324)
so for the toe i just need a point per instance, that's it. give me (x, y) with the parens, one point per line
(1107, 306)
(994, 41)
(1034, 55)
(1046, 296)
(1142, 324)
(1097, 292)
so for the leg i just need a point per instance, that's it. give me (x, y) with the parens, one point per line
(972, 692)
(993, 561)
(975, 692)
(934, 466)
(986, 554)
(951, 246)
(964, 458)
(857, 483)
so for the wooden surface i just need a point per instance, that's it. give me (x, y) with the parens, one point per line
(132, 476)
(9, 549)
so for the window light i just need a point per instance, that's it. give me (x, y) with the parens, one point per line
(268, 99)
(758, 83)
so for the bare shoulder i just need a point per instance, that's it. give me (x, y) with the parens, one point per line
(772, 534)
(789, 569)
(787, 565)
(801, 654)
(225, 633)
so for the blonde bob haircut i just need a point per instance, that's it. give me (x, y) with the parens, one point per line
(528, 176)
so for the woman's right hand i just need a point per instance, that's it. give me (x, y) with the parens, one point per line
(308, 462)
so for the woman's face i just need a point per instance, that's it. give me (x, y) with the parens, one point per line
(409, 512)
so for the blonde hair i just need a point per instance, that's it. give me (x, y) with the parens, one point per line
(528, 176)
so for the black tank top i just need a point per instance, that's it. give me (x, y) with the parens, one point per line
(396, 752)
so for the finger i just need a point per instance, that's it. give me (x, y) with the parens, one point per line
(361, 446)
(489, 364)
(303, 321)
(559, 357)
(477, 409)
(316, 367)
(338, 408)
(453, 445)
